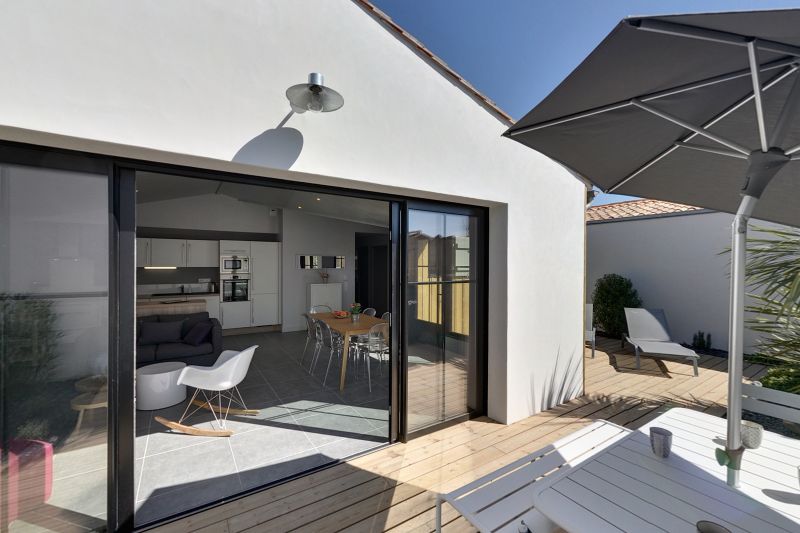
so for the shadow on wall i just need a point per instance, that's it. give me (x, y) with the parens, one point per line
(564, 383)
(278, 147)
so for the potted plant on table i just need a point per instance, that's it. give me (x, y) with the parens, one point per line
(355, 311)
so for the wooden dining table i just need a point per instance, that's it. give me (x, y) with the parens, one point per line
(347, 328)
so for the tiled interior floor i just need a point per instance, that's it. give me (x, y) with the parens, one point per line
(301, 425)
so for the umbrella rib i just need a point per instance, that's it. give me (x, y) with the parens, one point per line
(752, 57)
(730, 76)
(711, 150)
(689, 126)
(708, 124)
(706, 34)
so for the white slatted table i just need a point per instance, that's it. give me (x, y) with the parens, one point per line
(499, 501)
(627, 488)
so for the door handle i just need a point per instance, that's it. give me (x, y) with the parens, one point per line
(412, 302)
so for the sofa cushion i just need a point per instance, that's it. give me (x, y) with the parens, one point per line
(159, 332)
(172, 350)
(145, 354)
(198, 334)
(188, 320)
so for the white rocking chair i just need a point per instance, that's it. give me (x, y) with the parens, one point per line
(221, 381)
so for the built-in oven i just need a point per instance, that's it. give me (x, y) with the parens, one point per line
(234, 264)
(235, 288)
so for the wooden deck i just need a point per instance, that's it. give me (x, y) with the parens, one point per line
(394, 489)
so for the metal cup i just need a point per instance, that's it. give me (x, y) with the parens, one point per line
(752, 434)
(660, 441)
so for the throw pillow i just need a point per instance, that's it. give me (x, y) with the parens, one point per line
(160, 332)
(198, 334)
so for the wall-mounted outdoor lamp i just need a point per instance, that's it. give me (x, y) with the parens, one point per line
(314, 96)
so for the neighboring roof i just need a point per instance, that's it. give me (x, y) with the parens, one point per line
(435, 61)
(636, 209)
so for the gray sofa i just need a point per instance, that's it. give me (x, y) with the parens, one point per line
(161, 338)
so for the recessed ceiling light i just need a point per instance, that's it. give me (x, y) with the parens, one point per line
(299, 207)
(318, 199)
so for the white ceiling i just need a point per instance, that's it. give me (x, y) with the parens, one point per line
(153, 187)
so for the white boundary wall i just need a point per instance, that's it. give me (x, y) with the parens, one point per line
(676, 263)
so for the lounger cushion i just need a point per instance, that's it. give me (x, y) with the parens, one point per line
(670, 349)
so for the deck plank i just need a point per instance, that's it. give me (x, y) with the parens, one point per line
(394, 489)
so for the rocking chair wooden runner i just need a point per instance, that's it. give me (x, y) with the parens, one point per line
(220, 380)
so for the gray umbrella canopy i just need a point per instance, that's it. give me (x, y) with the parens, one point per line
(594, 124)
(698, 109)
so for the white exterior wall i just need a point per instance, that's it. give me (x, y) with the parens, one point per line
(207, 78)
(675, 263)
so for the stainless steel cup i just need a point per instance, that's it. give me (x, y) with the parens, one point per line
(752, 434)
(660, 441)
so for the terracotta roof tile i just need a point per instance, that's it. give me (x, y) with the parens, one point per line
(635, 208)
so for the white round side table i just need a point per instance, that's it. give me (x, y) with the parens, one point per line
(157, 386)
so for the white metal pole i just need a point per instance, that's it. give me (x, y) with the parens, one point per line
(736, 333)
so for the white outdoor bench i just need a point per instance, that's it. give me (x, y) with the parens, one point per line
(771, 402)
(499, 501)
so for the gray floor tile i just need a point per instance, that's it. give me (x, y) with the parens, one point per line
(179, 470)
(344, 448)
(288, 466)
(328, 427)
(187, 496)
(268, 444)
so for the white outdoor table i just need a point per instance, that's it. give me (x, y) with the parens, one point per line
(627, 488)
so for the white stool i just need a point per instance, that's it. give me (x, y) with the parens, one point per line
(157, 386)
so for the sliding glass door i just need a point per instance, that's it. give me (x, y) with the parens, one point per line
(443, 333)
(54, 345)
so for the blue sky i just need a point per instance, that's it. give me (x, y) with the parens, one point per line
(517, 51)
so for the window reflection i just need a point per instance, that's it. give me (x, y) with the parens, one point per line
(53, 349)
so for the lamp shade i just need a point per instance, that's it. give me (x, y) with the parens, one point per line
(314, 96)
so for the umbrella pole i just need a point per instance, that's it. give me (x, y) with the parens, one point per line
(736, 334)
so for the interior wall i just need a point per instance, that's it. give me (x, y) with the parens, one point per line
(208, 212)
(312, 235)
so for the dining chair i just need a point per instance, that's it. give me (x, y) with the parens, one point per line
(369, 311)
(377, 348)
(319, 309)
(387, 316)
(310, 334)
(334, 342)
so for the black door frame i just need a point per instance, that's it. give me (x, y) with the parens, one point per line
(481, 308)
(121, 173)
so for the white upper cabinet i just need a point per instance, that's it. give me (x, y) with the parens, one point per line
(167, 252)
(202, 253)
(234, 247)
(265, 267)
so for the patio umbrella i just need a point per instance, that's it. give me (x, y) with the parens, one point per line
(701, 109)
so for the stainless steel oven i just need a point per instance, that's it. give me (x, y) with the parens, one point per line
(234, 264)
(235, 288)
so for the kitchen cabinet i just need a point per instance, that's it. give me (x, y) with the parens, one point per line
(236, 314)
(202, 253)
(167, 252)
(234, 248)
(142, 252)
(265, 267)
(329, 294)
(265, 282)
(266, 309)
(212, 306)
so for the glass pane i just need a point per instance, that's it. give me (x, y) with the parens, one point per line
(53, 349)
(441, 317)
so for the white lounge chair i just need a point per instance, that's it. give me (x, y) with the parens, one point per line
(589, 329)
(649, 333)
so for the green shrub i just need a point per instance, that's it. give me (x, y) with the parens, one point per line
(612, 294)
(783, 378)
(701, 340)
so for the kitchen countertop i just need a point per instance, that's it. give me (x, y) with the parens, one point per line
(176, 296)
